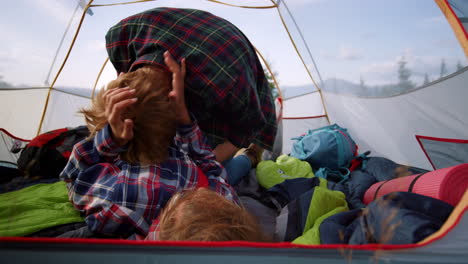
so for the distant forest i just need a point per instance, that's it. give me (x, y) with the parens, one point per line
(4, 84)
(403, 84)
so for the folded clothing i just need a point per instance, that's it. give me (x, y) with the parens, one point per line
(396, 218)
(299, 221)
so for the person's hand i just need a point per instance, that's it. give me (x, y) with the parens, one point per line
(176, 95)
(117, 101)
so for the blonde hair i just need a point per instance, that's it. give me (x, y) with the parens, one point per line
(204, 215)
(153, 115)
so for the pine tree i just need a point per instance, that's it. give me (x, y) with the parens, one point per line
(364, 88)
(361, 81)
(443, 69)
(4, 84)
(404, 75)
(426, 79)
(459, 66)
(271, 84)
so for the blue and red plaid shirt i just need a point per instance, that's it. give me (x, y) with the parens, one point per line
(226, 88)
(122, 199)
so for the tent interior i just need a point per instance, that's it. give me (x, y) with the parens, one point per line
(393, 73)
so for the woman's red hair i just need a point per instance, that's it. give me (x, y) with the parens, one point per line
(204, 215)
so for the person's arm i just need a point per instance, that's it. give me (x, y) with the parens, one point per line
(89, 152)
(94, 177)
(192, 139)
(109, 141)
(190, 136)
(225, 151)
(93, 173)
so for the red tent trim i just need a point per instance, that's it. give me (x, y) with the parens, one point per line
(448, 140)
(11, 135)
(372, 247)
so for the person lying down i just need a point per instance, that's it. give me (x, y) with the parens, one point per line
(144, 148)
(204, 215)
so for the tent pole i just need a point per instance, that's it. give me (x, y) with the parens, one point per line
(455, 23)
(271, 73)
(61, 67)
(303, 62)
(99, 76)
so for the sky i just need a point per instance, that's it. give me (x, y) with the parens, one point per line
(350, 40)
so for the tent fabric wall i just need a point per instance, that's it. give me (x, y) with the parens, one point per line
(21, 111)
(7, 143)
(301, 113)
(62, 111)
(388, 126)
(307, 105)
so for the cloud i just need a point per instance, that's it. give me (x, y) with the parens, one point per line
(379, 67)
(300, 3)
(368, 35)
(433, 20)
(385, 72)
(349, 53)
(6, 57)
(447, 43)
(431, 65)
(21, 68)
(21, 49)
(344, 53)
(20, 62)
(377, 73)
(58, 10)
(96, 45)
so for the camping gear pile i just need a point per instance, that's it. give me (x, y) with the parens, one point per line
(374, 202)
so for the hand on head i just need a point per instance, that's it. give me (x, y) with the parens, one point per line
(117, 102)
(177, 93)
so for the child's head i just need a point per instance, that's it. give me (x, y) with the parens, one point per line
(204, 215)
(153, 114)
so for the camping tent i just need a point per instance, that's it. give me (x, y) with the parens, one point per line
(416, 121)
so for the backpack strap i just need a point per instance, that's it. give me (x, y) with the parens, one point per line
(410, 187)
(339, 176)
(360, 161)
(413, 182)
(378, 189)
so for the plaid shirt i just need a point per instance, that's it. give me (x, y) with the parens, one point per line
(123, 199)
(226, 88)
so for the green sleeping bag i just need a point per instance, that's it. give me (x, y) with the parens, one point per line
(34, 208)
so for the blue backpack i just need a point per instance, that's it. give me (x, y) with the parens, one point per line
(326, 147)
